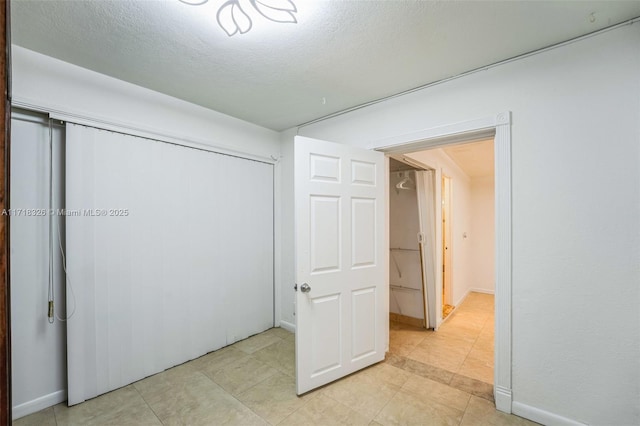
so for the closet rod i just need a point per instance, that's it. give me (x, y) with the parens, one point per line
(403, 249)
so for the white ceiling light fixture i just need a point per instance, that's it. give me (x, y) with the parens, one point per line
(233, 18)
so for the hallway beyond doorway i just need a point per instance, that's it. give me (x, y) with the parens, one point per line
(460, 354)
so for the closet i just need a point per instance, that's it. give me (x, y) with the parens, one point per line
(411, 245)
(169, 255)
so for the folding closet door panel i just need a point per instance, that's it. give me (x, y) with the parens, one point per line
(171, 252)
(248, 245)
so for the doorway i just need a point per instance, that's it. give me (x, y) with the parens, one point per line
(499, 127)
(463, 346)
(406, 302)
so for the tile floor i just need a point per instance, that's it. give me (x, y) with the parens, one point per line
(428, 378)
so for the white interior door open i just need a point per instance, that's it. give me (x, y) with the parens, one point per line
(341, 261)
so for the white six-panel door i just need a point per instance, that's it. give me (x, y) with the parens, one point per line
(342, 314)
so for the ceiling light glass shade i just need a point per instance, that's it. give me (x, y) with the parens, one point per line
(194, 2)
(234, 19)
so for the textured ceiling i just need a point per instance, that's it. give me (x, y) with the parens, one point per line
(339, 55)
(475, 159)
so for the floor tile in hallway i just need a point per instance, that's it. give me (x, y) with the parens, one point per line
(253, 383)
(462, 346)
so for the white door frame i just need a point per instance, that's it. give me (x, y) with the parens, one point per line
(447, 280)
(499, 126)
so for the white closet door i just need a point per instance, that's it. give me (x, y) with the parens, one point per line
(425, 189)
(170, 251)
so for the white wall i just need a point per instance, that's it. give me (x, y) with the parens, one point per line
(575, 207)
(59, 86)
(482, 235)
(48, 84)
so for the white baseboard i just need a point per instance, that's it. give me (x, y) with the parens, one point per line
(472, 290)
(541, 416)
(38, 404)
(503, 399)
(459, 301)
(288, 326)
(481, 290)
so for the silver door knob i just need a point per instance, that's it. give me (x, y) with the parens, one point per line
(305, 288)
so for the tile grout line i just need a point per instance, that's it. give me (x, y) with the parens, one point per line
(345, 405)
(55, 418)
(465, 408)
(148, 405)
(317, 393)
(251, 387)
(393, 396)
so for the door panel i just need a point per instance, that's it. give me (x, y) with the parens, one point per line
(363, 229)
(325, 233)
(364, 313)
(342, 320)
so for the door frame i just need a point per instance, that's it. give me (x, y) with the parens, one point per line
(447, 267)
(499, 127)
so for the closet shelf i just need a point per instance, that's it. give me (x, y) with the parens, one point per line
(401, 287)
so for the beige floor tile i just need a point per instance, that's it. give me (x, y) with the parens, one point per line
(449, 360)
(428, 371)
(368, 391)
(402, 342)
(168, 394)
(193, 399)
(44, 417)
(213, 362)
(275, 398)
(481, 354)
(239, 376)
(416, 384)
(120, 407)
(464, 323)
(395, 360)
(425, 389)
(257, 342)
(280, 355)
(472, 386)
(482, 412)
(279, 332)
(447, 343)
(489, 327)
(480, 298)
(484, 343)
(458, 334)
(156, 386)
(324, 411)
(385, 373)
(395, 325)
(218, 409)
(476, 315)
(405, 409)
(479, 369)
